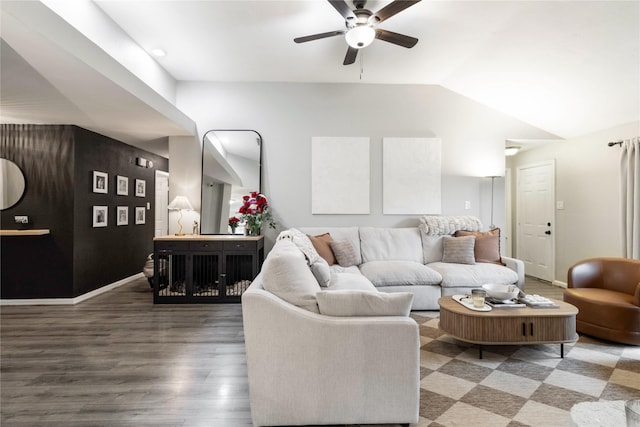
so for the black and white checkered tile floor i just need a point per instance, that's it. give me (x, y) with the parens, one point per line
(518, 385)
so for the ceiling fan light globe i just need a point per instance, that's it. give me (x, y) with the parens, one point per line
(360, 36)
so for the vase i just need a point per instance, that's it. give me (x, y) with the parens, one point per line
(255, 230)
(233, 229)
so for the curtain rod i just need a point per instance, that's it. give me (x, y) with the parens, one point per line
(611, 144)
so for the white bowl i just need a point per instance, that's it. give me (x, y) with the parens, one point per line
(501, 292)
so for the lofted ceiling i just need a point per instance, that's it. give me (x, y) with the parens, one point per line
(567, 67)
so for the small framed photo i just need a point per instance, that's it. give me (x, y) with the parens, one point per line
(100, 182)
(140, 215)
(100, 216)
(141, 187)
(122, 215)
(122, 185)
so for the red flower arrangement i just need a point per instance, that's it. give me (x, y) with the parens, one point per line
(254, 211)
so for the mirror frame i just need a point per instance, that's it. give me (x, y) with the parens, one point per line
(202, 170)
(14, 169)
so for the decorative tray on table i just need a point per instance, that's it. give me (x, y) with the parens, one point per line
(466, 301)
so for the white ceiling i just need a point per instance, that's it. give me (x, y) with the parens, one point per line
(568, 67)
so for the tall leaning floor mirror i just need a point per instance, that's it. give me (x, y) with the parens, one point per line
(231, 168)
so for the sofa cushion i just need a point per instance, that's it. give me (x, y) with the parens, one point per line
(344, 252)
(396, 273)
(431, 248)
(285, 273)
(390, 244)
(458, 250)
(322, 244)
(487, 247)
(349, 281)
(364, 303)
(476, 275)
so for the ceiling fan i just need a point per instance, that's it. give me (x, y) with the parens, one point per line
(361, 26)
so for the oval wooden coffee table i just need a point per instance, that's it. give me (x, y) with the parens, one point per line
(509, 326)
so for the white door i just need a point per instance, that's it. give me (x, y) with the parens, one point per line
(162, 201)
(535, 219)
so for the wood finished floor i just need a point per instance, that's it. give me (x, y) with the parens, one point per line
(118, 359)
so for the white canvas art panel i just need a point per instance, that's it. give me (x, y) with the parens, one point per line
(340, 175)
(411, 176)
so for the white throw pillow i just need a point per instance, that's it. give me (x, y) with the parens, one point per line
(322, 272)
(397, 273)
(303, 242)
(285, 274)
(364, 303)
(459, 250)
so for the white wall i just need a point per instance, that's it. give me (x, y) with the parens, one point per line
(588, 182)
(288, 115)
(185, 177)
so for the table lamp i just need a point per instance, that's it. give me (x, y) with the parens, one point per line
(180, 203)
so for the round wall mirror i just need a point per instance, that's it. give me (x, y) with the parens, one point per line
(12, 184)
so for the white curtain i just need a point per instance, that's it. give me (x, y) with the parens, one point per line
(630, 180)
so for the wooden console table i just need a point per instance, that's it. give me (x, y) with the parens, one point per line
(507, 326)
(205, 268)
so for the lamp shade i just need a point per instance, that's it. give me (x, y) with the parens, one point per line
(180, 203)
(511, 151)
(360, 36)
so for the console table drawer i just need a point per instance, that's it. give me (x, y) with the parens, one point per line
(240, 246)
(205, 246)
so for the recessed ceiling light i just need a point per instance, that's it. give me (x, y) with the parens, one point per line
(158, 52)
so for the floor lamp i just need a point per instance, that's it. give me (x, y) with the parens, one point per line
(493, 178)
(180, 203)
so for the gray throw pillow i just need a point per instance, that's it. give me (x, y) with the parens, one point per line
(344, 252)
(458, 250)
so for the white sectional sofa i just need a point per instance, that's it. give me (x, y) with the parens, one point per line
(410, 260)
(334, 344)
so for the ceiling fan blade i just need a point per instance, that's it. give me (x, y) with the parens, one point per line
(395, 38)
(393, 8)
(318, 36)
(351, 55)
(343, 9)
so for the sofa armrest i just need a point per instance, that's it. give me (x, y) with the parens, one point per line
(307, 368)
(517, 266)
(636, 296)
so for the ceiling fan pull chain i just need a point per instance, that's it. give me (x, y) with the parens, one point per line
(361, 64)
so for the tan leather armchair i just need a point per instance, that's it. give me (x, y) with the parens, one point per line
(607, 294)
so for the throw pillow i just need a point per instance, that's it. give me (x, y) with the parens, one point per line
(487, 247)
(322, 272)
(322, 243)
(458, 250)
(344, 252)
(285, 274)
(364, 303)
(303, 242)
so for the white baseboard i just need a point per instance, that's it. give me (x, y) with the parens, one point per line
(559, 284)
(70, 301)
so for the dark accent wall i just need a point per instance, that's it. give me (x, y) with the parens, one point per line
(58, 162)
